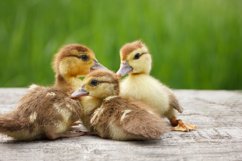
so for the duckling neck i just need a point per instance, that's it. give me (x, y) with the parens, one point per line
(89, 105)
(67, 83)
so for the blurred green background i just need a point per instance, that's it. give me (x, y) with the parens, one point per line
(195, 43)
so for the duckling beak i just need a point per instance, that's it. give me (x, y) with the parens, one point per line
(124, 69)
(97, 65)
(79, 93)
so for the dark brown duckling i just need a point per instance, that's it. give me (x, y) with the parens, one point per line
(49, 112)
(118, 118)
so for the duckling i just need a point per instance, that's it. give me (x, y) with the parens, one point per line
(116, 117)
(136, 61)
(71, 62)
(49, 112)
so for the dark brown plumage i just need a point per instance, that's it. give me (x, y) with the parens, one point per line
(49, 112)
(42, 113)
(121, 119)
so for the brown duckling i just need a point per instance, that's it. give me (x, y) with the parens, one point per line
(136, 61)
(49, 112)
(116, 117)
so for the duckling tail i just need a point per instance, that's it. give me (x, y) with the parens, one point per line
(9, 125)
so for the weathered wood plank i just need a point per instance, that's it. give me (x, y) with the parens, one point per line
(218, 115)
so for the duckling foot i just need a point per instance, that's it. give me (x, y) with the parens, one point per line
(73, 133)
(185, 127)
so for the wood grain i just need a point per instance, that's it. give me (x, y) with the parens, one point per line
(218, 115)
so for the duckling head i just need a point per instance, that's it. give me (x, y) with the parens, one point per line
(99, 84)
(75, 60)
(135, 59)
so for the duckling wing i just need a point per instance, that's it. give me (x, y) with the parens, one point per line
(48, 106)
(142, 123)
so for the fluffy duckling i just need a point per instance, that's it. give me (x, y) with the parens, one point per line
(136, 61)
(71, 62)
(49, 112)
(116, 117)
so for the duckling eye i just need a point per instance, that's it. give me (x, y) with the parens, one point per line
(84, 57)
(94, 82)
(137, 56)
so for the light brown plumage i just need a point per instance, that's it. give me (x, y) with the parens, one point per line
(49, 112)
(136, 61)
(116, 117)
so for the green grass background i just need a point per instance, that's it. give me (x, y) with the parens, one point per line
(195, 43)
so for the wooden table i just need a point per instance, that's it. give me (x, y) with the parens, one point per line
(218, 115)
